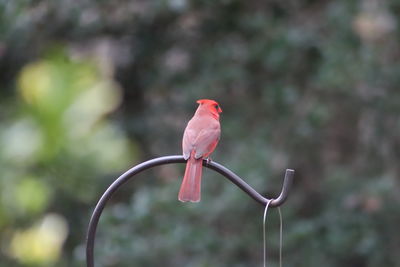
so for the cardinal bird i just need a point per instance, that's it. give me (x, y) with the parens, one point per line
(200, 138)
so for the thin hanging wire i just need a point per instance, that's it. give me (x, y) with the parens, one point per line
(264, 239)
(280, 235)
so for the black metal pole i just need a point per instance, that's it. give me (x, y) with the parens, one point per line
(94, 220)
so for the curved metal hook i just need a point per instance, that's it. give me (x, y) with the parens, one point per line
(94, 220)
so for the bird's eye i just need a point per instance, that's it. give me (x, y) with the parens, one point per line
(216, 106)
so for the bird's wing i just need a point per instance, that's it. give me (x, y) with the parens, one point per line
(201, 135)
(189, 136)
(206, 142)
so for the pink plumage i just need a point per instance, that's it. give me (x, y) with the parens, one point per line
(200, 138)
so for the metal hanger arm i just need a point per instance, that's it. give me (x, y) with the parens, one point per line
(94, 220)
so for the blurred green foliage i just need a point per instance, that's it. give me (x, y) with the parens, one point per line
(89, 88)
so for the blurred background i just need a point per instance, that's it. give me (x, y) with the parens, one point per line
(90, 88)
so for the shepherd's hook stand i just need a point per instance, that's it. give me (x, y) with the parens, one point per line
(287, 182)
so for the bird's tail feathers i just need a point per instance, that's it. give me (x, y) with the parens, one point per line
(191, 184)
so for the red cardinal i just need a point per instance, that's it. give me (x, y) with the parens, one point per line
(199, 141)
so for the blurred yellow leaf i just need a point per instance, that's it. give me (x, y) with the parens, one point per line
(42, 243)
(90, 105)
(32, 195)
(35, 82)
(65, 98)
